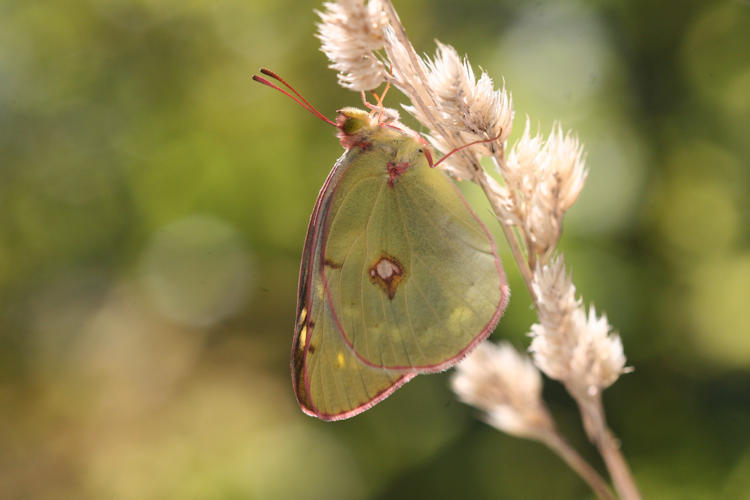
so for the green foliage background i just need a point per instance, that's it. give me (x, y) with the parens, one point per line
(153, 205)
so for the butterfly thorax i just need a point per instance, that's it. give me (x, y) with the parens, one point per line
(363, 131)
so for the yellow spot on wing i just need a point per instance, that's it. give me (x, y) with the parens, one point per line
(302, 316)
(303, 337)
(340, 359)
(457, 318)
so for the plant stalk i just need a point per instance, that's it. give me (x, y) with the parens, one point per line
(570, 456)
(595, 424)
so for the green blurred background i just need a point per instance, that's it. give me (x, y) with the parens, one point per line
(154, 201)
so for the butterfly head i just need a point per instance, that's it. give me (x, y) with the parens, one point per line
(358, 128)
(355, 128)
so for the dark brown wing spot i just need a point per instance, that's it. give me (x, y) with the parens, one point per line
(396, 170)
(387, 272)
(332, 264)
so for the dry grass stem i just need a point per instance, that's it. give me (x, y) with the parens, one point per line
(507, 387)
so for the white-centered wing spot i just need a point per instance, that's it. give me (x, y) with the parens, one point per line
(387, 272)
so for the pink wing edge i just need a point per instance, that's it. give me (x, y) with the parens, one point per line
(330, 417)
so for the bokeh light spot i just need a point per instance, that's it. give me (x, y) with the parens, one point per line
(197, 271)
(718, 307)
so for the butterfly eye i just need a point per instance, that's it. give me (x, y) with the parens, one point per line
(351, 125)
(420, 150)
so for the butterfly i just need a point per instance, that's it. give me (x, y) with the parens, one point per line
(398, 275)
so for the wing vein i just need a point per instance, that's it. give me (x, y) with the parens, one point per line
(362, 281)
(411, 266)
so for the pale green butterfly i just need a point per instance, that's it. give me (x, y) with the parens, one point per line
(398, 276)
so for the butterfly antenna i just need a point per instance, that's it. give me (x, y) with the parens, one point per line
(456, 150)
(275, 76)
(298, 99)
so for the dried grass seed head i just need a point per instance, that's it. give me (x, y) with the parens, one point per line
(545, 178)
(351, 31)
(467, 106)
(506, 386)
(567, 344)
